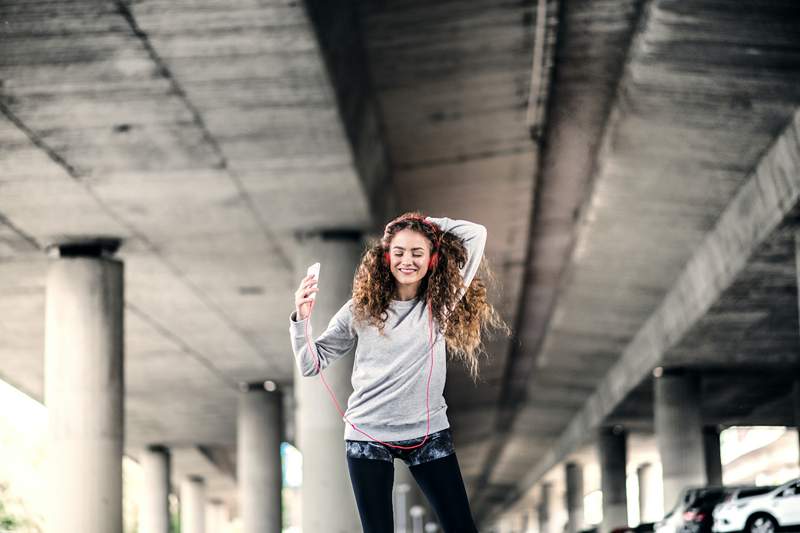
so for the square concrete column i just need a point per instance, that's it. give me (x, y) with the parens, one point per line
(573, 472)
(154, 511)
(258, 459)
(326, 496)
(193, 505)
(679, 433)
(84, 388)
(613, 453)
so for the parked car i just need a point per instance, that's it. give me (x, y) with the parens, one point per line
(698, 516)
(765, 513)
(733, 500)
(676, 520)
(646, 527)
(673, 519)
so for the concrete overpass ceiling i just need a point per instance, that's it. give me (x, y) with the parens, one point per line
(191, 461)
(705, 90)
(203, 134)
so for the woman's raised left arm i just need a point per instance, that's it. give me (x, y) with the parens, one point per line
(474, 237)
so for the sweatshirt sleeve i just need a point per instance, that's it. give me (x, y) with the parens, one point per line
(335, 342)
(474, 237)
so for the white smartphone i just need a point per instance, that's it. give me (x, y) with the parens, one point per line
(313, 270)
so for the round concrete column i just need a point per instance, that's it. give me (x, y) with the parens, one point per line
(528, 522)
(417, 518)
(193, 505)
(543, 511)
(796, 403)
(711, 452)
(679, 434)
(574, 496)
(413, 497)
(612, 445)
(647, 505)
(217, 517)
(258, 459)
(84, 389)
(326, 496)
(154, 512)
(401, 507)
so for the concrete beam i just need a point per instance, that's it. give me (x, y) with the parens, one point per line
(339, 36)
(564, 174)
(771, 191)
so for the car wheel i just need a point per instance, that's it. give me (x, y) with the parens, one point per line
(761, 524)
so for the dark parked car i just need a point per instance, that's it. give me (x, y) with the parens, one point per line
(698, 515)
(641, 528)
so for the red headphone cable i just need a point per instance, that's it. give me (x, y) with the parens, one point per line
(336, 403)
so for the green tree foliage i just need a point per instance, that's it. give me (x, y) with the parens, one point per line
(10, 521)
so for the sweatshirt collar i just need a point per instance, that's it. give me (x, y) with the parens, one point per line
(405, 303)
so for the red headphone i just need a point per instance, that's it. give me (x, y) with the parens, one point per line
(434, 256)
(431, 265)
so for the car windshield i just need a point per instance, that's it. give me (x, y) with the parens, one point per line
(709, 497)
(755, 491)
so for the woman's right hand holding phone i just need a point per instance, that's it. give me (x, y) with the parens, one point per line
(303, 297)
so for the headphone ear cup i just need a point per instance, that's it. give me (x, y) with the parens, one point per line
(386, 260)
(434, 261)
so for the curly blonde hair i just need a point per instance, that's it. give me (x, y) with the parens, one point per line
(374, 287)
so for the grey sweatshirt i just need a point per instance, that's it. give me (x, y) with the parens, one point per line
(390, 372)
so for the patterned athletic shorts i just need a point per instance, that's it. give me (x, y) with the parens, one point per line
(438, 445)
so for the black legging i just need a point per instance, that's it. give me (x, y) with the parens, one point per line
(440, 480)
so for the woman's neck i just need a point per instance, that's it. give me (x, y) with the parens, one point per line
(405, 293)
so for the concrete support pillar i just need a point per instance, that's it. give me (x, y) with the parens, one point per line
(154, 511)
(417, 519)
(796, 402)
(258, 459)
(645, 477)
(431, 527)
(574, 497)
(217, 517)
(406, 487)
(613, 452)
(524, 521)
(796, 386)
(84, 388)
(327, 497)
(543, 510)
(401, 507)
(679, 433)
(193, 505)
(711, 453)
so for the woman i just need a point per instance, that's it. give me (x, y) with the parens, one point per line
(415, 290)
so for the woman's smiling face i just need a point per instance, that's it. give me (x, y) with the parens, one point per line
(409, 253)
